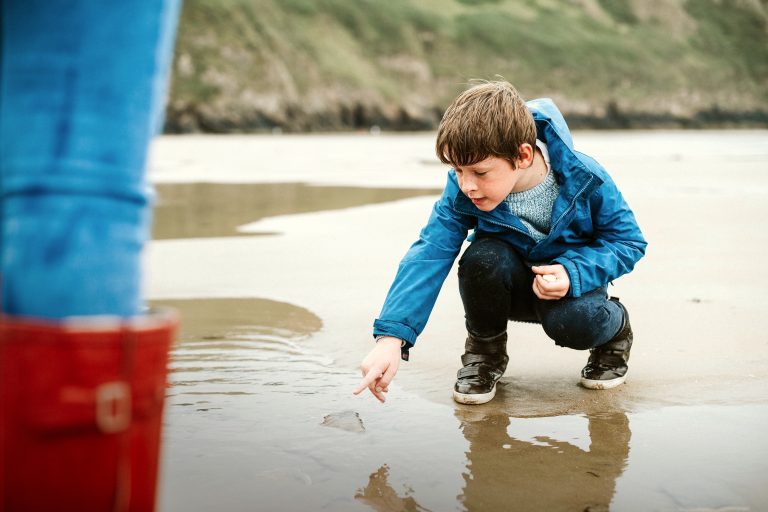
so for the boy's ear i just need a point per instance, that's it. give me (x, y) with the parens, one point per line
(526, 153)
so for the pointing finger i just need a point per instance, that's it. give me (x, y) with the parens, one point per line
(370, 377)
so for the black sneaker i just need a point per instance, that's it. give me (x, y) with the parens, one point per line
(607, 364)
(484, 360)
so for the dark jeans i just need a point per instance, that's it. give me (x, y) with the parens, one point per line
(496, 285)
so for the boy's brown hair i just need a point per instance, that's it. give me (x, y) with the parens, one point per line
(488, 119)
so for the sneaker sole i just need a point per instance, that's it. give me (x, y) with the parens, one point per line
(475, 398)
(603, 384)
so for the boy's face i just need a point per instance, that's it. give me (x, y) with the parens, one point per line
(488, 182)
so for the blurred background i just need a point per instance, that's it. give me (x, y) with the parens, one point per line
(326, 65)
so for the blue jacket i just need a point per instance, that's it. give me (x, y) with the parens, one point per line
(594, 234)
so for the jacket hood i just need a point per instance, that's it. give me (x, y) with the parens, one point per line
(549, 121)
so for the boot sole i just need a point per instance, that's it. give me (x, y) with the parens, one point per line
(603, 384)
(474, 398)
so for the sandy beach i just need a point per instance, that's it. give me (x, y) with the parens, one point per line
(279, 250)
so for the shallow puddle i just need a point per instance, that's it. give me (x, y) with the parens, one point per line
(258, 419)
(205, 210)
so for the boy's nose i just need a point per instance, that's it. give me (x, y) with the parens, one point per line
(468, 185)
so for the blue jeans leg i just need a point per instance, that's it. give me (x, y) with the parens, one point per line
(580, 323)
(496, 285)
(82, 86)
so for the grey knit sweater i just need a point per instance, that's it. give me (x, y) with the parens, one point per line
(534, 206)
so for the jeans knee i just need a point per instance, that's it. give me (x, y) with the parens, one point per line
(486, 260)
(579, 328)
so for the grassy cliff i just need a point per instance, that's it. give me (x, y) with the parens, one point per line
(307, 65)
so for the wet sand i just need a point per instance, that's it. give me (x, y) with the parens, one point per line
(279, 251)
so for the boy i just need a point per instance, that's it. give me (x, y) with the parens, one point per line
(551, 230)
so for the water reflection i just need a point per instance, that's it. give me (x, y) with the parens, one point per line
(540, 463)
(205, 210)
(552, 463)
(381, 497)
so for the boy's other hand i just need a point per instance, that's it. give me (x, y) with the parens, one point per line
(551, 282)
(379, 367)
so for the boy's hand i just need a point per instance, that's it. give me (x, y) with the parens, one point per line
(551, 282)
(379, 367)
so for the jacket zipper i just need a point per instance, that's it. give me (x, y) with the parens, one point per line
(570, 206)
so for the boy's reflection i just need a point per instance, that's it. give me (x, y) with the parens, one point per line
(381, 497)
(504, 473)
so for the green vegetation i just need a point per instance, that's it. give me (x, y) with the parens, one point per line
(298, 65)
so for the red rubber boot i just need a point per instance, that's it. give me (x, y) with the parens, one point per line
(81, 407)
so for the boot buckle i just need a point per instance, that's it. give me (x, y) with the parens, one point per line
(113, 406)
